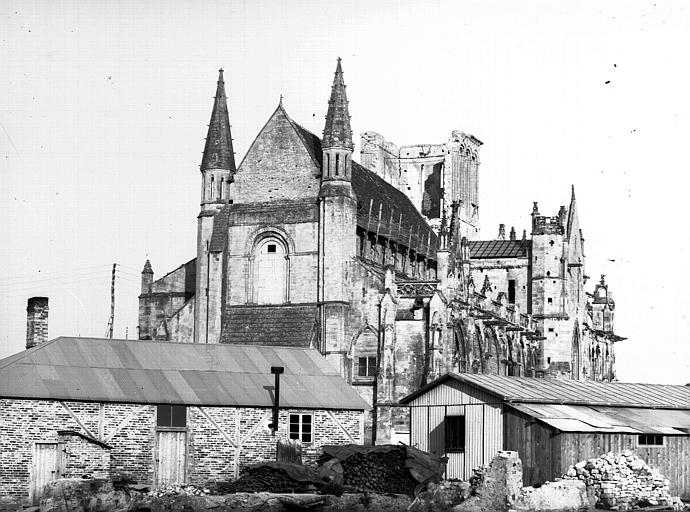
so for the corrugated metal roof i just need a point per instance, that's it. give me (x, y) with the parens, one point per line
(483, 249)
(580, 418)
(91, 369)
(572, 392)
(568, 418)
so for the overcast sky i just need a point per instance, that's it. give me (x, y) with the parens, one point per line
(104, 107)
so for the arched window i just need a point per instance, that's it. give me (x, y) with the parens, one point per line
(271, 271)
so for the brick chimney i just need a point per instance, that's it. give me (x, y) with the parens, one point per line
(36, 321)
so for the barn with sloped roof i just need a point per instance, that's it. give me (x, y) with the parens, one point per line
(158, 414)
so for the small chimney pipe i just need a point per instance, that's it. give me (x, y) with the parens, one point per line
(277, 371)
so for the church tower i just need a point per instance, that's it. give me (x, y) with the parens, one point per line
(337, 223)
(217, 173)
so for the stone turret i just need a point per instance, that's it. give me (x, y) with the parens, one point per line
(337, 142)
(146, 278)
(338, 221)
(217, 173)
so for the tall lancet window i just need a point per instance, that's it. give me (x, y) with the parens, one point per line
(271, 271)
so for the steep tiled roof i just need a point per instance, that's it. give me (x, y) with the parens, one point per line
(153, 372)
(218, 152)
(372, 191)
(284, 325)
(484, 249)
(337, 132)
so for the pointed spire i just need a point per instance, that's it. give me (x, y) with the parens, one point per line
(218, 152)
(147, 268)
(572, 211)
(337, 132)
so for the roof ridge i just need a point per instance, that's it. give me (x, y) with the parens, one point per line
(24, 353)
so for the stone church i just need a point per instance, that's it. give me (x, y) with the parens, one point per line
(378, 265)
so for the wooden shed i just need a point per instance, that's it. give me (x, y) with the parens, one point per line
(552, 423)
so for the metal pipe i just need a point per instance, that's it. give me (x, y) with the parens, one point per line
(276, 370)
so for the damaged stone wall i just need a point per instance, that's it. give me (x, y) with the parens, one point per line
(164, 299)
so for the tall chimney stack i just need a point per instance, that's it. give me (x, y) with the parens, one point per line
(36, 321)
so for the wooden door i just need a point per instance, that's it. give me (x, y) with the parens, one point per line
(48, 465)
(172, 455)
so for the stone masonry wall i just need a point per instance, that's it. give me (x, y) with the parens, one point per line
(130, 430)
(85, 458)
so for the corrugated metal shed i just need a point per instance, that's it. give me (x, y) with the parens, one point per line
(104, 370)
(571, 392)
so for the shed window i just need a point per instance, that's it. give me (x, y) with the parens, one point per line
(171, 416)
(301, 427)
(366, 366)
(455, 433)
(650, 440)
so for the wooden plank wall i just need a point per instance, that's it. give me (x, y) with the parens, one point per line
(483, 425)
(535, 444)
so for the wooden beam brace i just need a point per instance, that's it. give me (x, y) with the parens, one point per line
(75, 418)
(124, 423)
(335, 420)
(217, 427)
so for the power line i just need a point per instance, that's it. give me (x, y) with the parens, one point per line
(58, 281)
(39, 274)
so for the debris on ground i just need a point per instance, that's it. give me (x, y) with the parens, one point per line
(388, 468)
(623, 481)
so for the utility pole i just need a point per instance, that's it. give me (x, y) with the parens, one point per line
(111, 322)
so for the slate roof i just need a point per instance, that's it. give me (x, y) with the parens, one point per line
(151, 372)
(571, 392)
(485, 249)
(284, 325)
(371, 191)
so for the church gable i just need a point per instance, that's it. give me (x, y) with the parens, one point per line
(278, 165)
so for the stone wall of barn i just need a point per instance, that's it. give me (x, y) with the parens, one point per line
(220, 440)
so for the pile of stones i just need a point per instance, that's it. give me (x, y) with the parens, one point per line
(179, 490)
(623, 481)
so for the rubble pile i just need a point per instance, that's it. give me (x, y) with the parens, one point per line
(624, 481)
(396, 469)
(179, 490)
